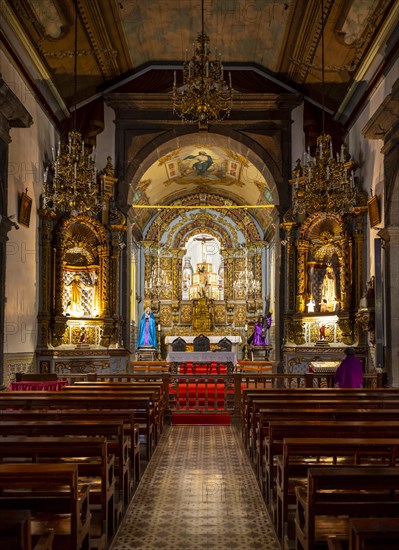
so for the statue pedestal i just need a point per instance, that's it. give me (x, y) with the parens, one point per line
(259, 352)
(146, 353)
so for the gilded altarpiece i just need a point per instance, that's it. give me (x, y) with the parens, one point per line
(324, 241)
(80, 323)
(216, 311)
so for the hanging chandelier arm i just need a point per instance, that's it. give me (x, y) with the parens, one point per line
(75, 64)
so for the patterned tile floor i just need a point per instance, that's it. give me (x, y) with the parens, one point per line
(198, 492)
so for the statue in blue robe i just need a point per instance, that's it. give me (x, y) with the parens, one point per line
(147, 331)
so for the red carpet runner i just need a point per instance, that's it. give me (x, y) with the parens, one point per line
(193, 397)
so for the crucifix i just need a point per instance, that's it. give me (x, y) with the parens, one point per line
(204, 240)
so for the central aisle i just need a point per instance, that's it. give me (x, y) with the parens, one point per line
(198, 492)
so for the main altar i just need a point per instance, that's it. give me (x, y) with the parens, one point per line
(210, 285)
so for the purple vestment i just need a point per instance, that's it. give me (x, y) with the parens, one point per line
(259, 340)
(349, 374)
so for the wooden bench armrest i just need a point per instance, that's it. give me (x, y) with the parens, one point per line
(335, 543)
(45, 541)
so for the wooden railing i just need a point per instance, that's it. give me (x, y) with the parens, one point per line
(196, 391)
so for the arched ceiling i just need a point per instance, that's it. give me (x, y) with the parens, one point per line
(268, 45)
(213, 169)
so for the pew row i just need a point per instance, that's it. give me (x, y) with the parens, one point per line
(95, 420)
(335, 494)
(141, 407)
(15, 532)
(95, 467)
(55, 499)
(300, 453)
(112, 430)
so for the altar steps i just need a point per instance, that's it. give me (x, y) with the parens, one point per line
(201, 403)
(200, 419)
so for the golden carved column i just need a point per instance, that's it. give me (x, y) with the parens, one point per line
(346, 272)
(177, 257)
(59, 257)
(46, 271)
(290, 266)
(302, 247)
(103, 281)
(229, 273)
(147, 267)
(115, 275)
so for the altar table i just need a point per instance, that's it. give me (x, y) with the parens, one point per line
(189, 339)
(36, 385)
(195, 357)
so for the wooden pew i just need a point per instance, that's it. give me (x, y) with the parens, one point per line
(279, 430)
(373, 533)
(337, 405)
(15, 532)
(300, 453)
(48, 425)
(139, 388)
(264, 398)
(142, 407)
(130, 428)
(268, 415)
(55, 498)
(335, 494)
(95, 465)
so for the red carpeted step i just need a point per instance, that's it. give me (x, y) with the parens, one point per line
(201, 419)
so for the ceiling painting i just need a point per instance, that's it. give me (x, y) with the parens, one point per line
(200, 167)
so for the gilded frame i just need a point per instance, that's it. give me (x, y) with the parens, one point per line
(374, 211)
(25, 208)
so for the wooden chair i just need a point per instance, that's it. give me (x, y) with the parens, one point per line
(179, 344)
(201, 343)
(225, 344)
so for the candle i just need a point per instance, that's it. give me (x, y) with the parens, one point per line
(174, 78)
(159, 327)
(246, 327)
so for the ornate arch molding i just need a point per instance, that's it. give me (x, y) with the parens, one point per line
(241, 218)
(191, 229)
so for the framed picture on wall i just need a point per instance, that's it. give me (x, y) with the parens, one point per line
(374, 211)
(25, 207)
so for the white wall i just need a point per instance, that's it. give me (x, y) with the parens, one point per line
(27, 154)
(368, 155)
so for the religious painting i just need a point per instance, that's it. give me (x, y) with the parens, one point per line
(25, 207)
(374, 211)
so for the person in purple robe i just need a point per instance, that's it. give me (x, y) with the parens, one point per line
(349, 374)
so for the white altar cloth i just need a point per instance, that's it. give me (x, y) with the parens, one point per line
(202, 357)
(235, 341)
(212, 339)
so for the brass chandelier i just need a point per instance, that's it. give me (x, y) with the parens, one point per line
(325, 183)
(204, 96)
(71, 184)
